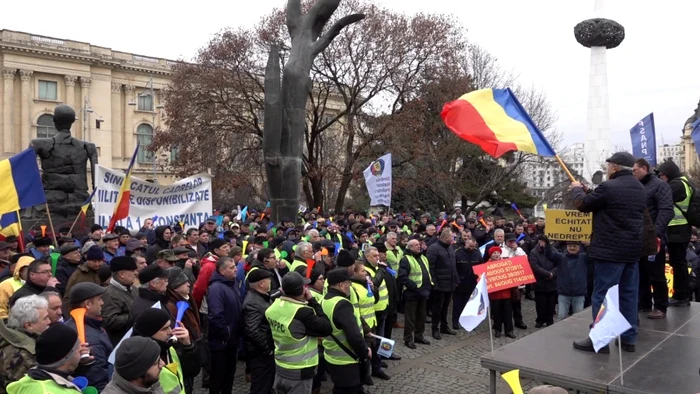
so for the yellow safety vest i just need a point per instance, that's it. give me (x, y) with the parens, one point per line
(354, 299)
(290, 352)
(416, 274)
(298, 263)
(383, 301)
(317, 295)
(171, 378)
(340, 238)
(333, 353)
(393, 257)
(366, 305)
(27, 385)
(680, 208)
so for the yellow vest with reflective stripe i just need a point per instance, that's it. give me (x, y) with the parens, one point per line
(290, 352)
(15, 283)
(298, 263)
(317, 295)
(393, 257)
(172, 382)
(338, 236)
(354, 299)
(366, 304)
(27, 385)
(678, 214)
(416, 274)
(333, 353)
(383, 302)
(278, 254)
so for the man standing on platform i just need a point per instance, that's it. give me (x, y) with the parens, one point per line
(652, 269)
(618, 206)
(678, 231)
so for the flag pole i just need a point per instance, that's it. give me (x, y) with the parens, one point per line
(490, 329)
(53, 232)
(619, 349)
(75, 221)
(20, 238)
(565, 168)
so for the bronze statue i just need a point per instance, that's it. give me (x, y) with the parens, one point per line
(693, 118)
(285, 100)
(63, 164)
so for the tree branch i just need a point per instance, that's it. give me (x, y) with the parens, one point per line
(333, 32)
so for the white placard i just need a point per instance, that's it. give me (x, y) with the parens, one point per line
(378, 180)
(188, 200)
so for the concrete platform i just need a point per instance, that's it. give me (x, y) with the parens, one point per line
(666, 361)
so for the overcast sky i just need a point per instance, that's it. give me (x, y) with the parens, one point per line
(654, 70)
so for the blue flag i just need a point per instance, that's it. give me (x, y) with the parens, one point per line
(644, 139)
(695, 136)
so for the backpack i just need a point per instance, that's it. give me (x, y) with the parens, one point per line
(693, 214)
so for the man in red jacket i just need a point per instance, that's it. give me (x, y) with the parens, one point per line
(218, 248)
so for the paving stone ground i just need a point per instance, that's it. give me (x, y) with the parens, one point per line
(451, 365)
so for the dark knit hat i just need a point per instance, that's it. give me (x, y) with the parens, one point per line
(104, 273)
(122, 263)
(216, 243)
(150, 321)
(381, 248)
(337, 275)
(95, 227)
(42, 241)
(510, 237)
(56, 345)
(259, 274)
(317, 271)
(151, 272)
(176, 277)
(84, 291)
(135, 356)
(95, 253)
(344, 259)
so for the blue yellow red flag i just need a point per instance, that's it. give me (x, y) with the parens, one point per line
(495, 120)
(121, 208)
(87, 202)
(9, 224)
(21, 182)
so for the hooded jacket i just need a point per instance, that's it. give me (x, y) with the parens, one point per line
(9, 286)
(675, 234)
(64, 270)
(160, 244)
(82, 275)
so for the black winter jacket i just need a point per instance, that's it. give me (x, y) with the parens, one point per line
(443, 266)
(256, 328)
(676, 234)
(544, 263)
(64, 270)
(411, 291)
(344, 319)
(572, 274)
(618, 207)
(466, 260)
(160, 244)
(659, 203)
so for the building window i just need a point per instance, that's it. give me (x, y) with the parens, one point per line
(48, 90)
(144, 135)
(45, 127)
(145, 102)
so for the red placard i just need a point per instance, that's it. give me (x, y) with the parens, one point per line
(504, 274)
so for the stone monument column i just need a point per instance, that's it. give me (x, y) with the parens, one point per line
(70, 89)
(25, 77)
(117, 137)
(85, 83)
(129, 144)
(598, 34)
(8, 134)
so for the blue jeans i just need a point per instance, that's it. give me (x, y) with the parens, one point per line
(608, 274)
(566, 302)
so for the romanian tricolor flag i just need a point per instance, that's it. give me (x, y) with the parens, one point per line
(21, 182)
(86, 205)
(495, 120)
(121, 209)
(9, 224)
